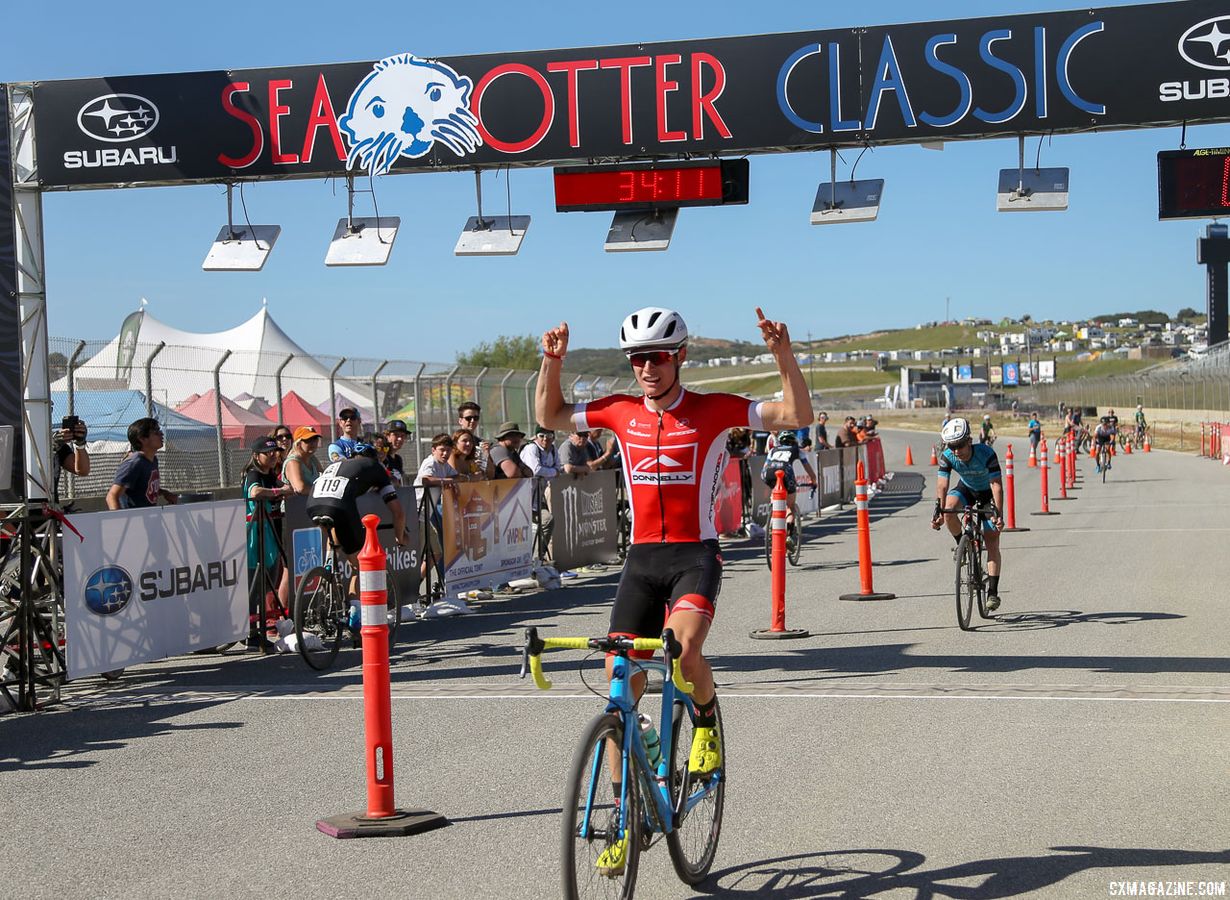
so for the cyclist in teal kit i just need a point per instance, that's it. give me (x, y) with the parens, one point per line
(979, 481)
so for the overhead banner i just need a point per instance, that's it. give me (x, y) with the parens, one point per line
(144, 584)
(1029, 73)
(584, 528)
(305, 547)
(488, 533)
(12, 480)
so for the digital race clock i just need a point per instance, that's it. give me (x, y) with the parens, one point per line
(652, 185)
(1193, 184)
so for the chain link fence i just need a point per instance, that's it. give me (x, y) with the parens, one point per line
(212, 403)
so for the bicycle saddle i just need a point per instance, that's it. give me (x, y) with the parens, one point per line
(323, 521)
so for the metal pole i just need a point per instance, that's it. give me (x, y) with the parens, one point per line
(448, 392)
(529, 406)
(418, 420)
(504, 395)
(222, 473)
(478, 385)
(72, 370)
(572, 388)
(333, 400)
(277, 380)
(376, 398)
(149, 379)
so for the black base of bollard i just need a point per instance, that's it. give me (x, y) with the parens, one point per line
(1010, 530)
(768, 634)
(1049, 512)
(1053, 499)
(402, 823)
(874, 595)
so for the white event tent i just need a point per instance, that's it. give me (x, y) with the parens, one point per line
(184, 367)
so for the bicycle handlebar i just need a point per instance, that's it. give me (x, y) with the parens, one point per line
(531, 653)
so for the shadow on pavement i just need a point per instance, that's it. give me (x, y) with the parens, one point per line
(1030, 621)
(56, 739)
(868, 873)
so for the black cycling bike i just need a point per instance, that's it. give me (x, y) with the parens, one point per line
(971, 581)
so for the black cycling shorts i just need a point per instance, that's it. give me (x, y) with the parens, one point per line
(657, 576)
(769, 476)
(349, 530)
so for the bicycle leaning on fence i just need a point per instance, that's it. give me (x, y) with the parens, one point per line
(622, 790)
(322, 608)
(971, 549)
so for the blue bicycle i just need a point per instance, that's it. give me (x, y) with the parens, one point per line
(616, 800)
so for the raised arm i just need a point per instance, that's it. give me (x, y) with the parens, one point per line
(794, 409)
(549, 406)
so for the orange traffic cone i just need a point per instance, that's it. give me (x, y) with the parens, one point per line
(1127, 448)
(1032, 462)
(909, 455)
(934, 459)
(1148, 449)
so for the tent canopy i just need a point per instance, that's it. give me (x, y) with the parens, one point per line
(109, 413)
(237, 422)
(298, 412)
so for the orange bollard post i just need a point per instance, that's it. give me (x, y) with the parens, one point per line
(1010, 494)
(1062, 449)
(909, 455)
(1071, 474)
(1046, 500)
(867, 591)
(1202, 453)
(777, 629)
(382, 817)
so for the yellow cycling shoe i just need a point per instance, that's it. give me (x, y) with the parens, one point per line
(613, 859)
(706, 751)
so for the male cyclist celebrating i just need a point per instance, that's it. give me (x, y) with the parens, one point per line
(674, 450)
(977, 467)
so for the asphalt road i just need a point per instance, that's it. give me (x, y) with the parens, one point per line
(1077, 741)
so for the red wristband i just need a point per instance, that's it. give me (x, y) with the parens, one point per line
(551, 355)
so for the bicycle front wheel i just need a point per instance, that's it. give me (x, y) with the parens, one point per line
(319, 608)
(794, 543)
(967, 581)
(693, 842)
(593, 823)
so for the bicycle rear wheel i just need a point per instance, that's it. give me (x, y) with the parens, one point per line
(982, 584)
(585, 836)
(693, 842)
(794, 542)
(319, 612)
(967, 581)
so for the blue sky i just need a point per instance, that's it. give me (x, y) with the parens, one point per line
(938, 235)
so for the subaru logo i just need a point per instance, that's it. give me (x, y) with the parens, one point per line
(108, 590)
(118, 118)
(1207, 45)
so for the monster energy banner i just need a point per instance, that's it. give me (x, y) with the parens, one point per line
(1037, 73)
(12, 481)
(583, 510)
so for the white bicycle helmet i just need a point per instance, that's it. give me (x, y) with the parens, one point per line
(955, 431)
(653, 328)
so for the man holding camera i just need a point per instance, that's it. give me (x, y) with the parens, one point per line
(70, 452)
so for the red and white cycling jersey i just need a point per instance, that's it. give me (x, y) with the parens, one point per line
(673, 460)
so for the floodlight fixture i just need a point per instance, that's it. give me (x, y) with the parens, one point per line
(240, 249)
(362, 240)
(492, 235)
(641, 229)
(1032, 190)
(846, 201)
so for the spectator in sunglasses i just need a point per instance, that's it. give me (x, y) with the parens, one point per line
(351, 428)
(468, 415)
(138, 484)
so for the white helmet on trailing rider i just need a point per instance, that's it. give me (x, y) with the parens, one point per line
(653, 328)
(955, 431)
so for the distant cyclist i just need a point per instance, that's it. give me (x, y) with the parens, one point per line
(336, 492)
(988, 431)
(1113, 420)
(1141, 425)
(1103, 436)
(782, 458)
(978, 471)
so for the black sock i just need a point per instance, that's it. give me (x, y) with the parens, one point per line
(993, 584)
(706, 715)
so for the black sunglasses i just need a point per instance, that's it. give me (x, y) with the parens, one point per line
(469, 418)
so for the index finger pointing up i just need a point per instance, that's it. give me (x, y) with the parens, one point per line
(759, 314)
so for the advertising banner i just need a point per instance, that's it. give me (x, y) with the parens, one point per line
(488, 533)
(1046, 371)
(829, 462)
(584, 526)
(1012, 375)
(728, 509)
(874, 459)
(12, 480)
(145, 584)
(1027, 73)
(305, 546)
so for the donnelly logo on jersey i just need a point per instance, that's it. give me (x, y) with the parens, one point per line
(675, 464)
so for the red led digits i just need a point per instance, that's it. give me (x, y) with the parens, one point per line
(1193, 184)
(1225, 183)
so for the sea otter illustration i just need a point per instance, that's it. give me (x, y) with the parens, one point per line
(403, 108)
